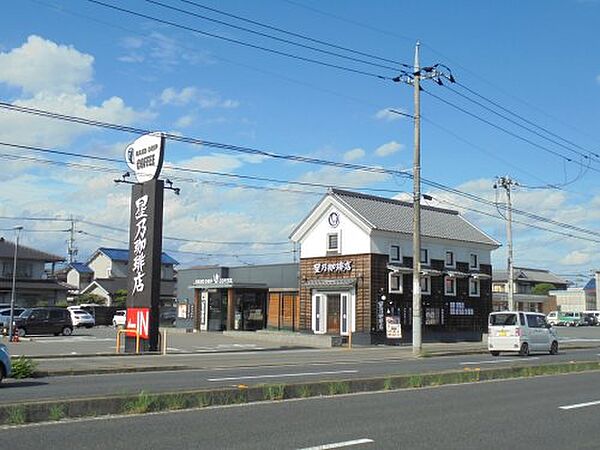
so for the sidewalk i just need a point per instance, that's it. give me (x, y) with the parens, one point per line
(112, 363)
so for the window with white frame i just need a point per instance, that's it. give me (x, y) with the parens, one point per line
(450, 286)
(474, 261)
(333, 242)
(395, 253)
(424, 256)
(473, 287)
(395, 283)
(426, 285)
(450, 258)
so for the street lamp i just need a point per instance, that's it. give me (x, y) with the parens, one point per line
(18, 229)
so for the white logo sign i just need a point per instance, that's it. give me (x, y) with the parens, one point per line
(144, 156)
(336, 267)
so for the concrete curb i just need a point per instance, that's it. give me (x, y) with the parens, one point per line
(104, 370)
(47, 411)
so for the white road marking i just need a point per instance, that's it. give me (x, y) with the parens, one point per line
(580, 405)
(497, 361)
(340, 444)
(279, 375)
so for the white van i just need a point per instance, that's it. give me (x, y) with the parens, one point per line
(522, 332)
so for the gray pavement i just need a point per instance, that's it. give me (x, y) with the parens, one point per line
(547, 412)
(212, 371)
(101, 340)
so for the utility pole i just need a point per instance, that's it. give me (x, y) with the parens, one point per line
(507, 183)
(436, 73)
(14, 285)
(416, 295)
(72, 250)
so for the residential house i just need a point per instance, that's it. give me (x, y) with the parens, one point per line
(578, 299)
(109, 274)
(356, 270)
(524, 283)
(34, 285)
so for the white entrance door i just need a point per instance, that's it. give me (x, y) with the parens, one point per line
(345, 314)
(319, 313)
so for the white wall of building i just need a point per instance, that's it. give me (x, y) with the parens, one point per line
(353, 239)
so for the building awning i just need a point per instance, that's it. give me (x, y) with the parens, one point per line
(330, 283)
(456, 274)
(397, 268)
(480, 276)
(229, 285)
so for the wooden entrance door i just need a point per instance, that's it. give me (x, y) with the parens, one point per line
(333, 313)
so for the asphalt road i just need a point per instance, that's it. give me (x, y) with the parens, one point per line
(258, 368)
(547, 412)
(102, 340)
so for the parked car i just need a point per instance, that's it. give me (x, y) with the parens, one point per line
(5, 367)
(569, 319)
(595, 314)
(522, 332)
(5, 315)
(119, 318)
(81, 318)
(589, 319)
(44, 321)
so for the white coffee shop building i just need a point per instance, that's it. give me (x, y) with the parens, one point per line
(356, 270)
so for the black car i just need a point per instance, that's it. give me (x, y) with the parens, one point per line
(44, 321)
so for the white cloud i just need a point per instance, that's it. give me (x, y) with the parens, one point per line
(388, 116)
(204, 98)
(333, 176)
(576, 258)
(598, 79)
(54, 77)
(40, 65)
(185, 121)
(388, 148)
(354, 154)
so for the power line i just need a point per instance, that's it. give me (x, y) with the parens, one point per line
(238, 42)
(258, 33)
(290, 33)
(514, 122)
(457, 192)
(505, 130)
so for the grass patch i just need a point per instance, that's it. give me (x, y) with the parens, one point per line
(143, 403)
(304, 391)
(23, 367)
(274, 392)
(57, 412)
(16, 415)
(388, 384)
(338, 387)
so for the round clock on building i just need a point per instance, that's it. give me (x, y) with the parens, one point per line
(334, 219)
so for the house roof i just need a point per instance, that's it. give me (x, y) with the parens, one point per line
(590, 285)
(387, 214)
(7, 250)
(528, 274)
(81, 267)
(119, 254)
(112, 285)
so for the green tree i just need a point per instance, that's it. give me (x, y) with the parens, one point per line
(90, 298)
(119, 298)
(542, 288)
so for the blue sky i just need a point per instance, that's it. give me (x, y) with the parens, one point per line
(537, 58)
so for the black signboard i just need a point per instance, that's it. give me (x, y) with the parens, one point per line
(144, 266)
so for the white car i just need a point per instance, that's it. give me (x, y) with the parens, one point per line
(81, 318)
(522, 332)
(119, 318)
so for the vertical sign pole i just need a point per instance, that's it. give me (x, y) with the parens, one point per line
(144, 266)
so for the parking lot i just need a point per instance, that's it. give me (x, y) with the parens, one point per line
(102, 340)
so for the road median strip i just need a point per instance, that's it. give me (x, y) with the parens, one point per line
(54, 410)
